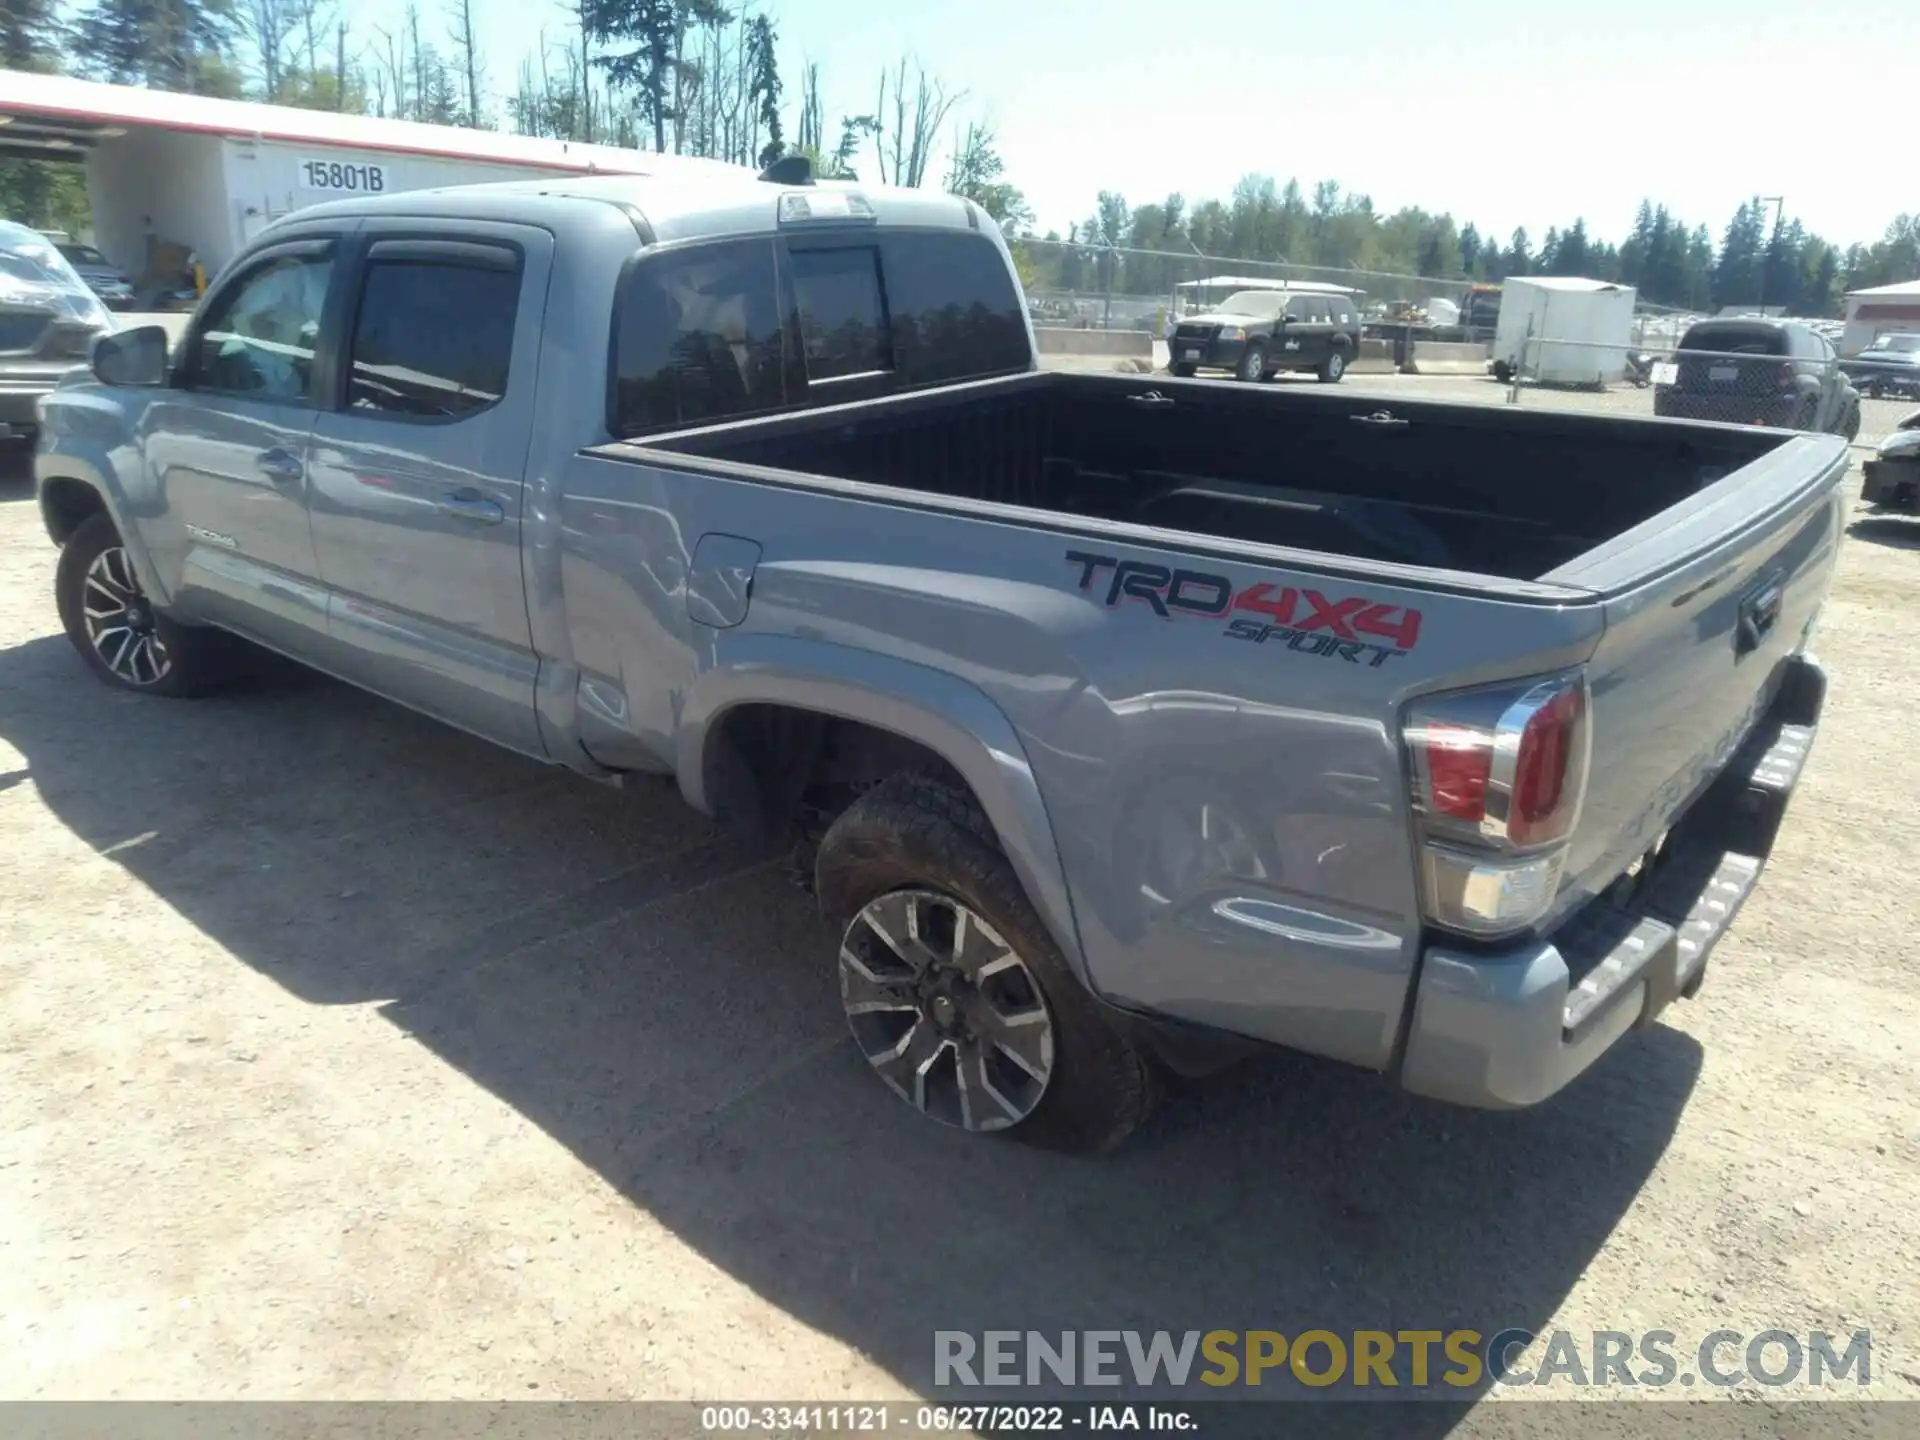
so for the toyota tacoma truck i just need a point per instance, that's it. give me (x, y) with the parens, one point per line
(1133, 722)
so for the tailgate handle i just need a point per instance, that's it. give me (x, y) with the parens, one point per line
(1758, 611)
(1381, 419)
(1152, 400)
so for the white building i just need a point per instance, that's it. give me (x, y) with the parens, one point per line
(1883, 310)
(209, 174)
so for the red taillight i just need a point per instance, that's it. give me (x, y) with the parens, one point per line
(1458, 762)
(1498, 774)
(1540, 770)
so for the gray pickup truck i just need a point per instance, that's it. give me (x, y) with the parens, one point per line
(1134, 722)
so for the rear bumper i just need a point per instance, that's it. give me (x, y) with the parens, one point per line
(1779, 411)
(1890, 482)
(1508, 1029)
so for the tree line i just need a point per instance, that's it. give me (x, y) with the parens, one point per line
(690, 77)
(704, 78)
(1669, 261)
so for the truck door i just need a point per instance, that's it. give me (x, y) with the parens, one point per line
(227, 444)
(418, 465)
(1309, 331)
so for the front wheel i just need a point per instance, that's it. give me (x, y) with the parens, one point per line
(1253, 365)
(1332, 368)
(112, 623)
(954, 991)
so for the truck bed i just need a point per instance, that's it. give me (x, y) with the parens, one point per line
(1494, 491)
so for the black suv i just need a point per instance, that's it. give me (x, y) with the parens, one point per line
(1759, 372)
(1258, 333)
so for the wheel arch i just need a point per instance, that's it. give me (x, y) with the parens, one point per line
(68, 502)
(809, 686)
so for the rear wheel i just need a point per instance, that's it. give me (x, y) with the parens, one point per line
(113, 624)
(1253, 364)
(1333, 367)
(1184, 372)
(954, 991)
(1502, 372)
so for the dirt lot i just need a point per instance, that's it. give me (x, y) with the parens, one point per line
(343, 1056)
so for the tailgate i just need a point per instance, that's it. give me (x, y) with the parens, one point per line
(1706, 605)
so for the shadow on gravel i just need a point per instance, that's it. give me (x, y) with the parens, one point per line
(16, 472)
(662, 1002)
(1902, 532)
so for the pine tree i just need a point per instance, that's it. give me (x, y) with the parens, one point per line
(30, 34)
(163, 44)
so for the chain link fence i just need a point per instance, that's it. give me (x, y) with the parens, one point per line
(1763, 381)
(1101, 287)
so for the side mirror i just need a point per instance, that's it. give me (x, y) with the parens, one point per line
(131, 357)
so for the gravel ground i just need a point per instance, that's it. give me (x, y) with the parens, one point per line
(343, 1056)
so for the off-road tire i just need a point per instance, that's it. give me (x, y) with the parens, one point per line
(916, 832)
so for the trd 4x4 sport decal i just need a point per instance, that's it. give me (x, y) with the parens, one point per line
(1300, 619)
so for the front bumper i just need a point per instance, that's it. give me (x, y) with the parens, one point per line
(1508, 1029)
(21, 387)
(1206, 354)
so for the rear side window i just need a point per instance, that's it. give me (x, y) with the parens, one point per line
(434, 335)
(837, 297)
(698, 338)
(955, 309)
(699, 334)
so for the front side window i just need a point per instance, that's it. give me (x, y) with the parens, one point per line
(837, 296)
(434, 334)
(698, 338)
(259, 338)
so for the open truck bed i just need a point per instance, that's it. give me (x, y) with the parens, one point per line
(1503, 493)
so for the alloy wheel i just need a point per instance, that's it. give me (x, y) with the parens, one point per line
(945, 1010)
(120, 621)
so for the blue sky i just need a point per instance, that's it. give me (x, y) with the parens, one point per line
(1503, 113)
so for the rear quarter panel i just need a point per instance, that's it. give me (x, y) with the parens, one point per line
(1229, 811)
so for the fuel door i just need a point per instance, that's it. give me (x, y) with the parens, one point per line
(721, 581)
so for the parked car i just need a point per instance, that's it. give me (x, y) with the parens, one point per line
(103, 277)
(1888, 367)
(48, 318)
(1759, 372)
(1259, 333)
(1129, 724)
(1892, 478)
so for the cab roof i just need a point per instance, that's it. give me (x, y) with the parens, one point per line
(664, 208)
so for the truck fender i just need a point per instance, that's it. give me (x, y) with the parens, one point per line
(56, 469)
(949, 716)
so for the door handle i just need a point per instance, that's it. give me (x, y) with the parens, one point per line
(281, 465)
(472, 506)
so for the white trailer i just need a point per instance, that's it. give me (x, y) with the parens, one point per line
(210, 174)
(1563, 330)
